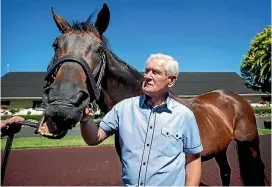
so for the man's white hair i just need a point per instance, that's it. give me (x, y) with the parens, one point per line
(172, 66)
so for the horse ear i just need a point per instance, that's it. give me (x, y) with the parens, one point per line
(103, 19)
(62, 24)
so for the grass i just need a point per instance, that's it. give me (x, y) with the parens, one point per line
(264, 131)
(42, 142)
(67, 141)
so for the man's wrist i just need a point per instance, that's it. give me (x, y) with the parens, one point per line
(86, 120)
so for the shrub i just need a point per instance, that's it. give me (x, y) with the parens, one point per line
(5, 107)
(26, 117)
(39, 117)
(263, 110)
(14, 110)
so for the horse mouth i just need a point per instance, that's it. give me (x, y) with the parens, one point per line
(59, 117)
(59, 103)
(49, 129)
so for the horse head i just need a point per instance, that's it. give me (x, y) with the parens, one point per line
(73, 78)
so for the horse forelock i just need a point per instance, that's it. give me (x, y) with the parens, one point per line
(89, 27)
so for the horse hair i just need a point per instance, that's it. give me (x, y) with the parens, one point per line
(89, 27)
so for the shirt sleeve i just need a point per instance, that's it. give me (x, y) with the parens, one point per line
(110, 122)
(191, 140)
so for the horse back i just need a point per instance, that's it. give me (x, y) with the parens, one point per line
(221, 116)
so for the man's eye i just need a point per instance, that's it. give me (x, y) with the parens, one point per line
(156, 73)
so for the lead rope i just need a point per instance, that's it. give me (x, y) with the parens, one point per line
(10, 134)
(6, 157)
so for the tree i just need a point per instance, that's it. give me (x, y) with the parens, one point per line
(256, 67)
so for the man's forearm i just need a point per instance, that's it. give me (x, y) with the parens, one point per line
(91, 133)
(193, 171)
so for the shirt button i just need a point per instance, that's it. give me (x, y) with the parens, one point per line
(150, 127)
(141, 184)
(144, 163)
(147, 145)
(167, 133)
(177, 135)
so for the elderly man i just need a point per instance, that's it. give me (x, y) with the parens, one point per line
(159, 137)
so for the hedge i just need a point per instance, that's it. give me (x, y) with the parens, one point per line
(264, 110)
(39, 117)
(27, 117)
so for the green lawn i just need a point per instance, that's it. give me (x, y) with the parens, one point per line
(264, 131)
(67, 141)
(42, 142)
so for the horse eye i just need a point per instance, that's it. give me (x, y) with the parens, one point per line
(55, 45)
(99, 50)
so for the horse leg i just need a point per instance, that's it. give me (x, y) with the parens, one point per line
(245, 133)
(225, 170)
(251, 164)
(117, 145)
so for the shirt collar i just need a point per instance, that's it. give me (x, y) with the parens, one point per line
(167, 104)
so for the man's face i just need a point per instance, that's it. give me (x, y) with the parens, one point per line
(156, 81)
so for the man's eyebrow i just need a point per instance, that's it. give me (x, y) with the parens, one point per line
(153, 69)
(157, 70)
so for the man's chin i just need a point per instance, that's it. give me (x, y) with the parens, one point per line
(148, 92)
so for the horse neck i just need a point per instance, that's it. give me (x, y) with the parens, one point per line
(120, 81)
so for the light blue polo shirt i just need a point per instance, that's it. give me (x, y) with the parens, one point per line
(153, 140)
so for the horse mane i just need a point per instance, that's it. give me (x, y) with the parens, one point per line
(124, 72)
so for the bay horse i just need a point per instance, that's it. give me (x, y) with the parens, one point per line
(84, 70)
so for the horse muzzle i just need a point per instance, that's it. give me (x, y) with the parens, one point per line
(58, 119)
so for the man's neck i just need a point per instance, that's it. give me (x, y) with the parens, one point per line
(157, 100)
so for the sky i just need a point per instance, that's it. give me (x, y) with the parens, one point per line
(202, 35)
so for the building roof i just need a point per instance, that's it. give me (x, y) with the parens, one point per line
(196, 83)
(22, 84)
(30, 84)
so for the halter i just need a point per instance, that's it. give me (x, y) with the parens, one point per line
(93, 87)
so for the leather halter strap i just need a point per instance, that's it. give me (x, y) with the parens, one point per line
(92, 85)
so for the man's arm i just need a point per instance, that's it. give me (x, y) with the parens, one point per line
(193, 170)
(92, 134)
(192, 148)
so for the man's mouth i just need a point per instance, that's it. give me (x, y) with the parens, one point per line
(148, 84)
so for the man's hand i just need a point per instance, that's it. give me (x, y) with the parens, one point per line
(11, 121)
(10, 126)
(88, 114)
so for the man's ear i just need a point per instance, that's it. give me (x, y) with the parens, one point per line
(172, 81)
